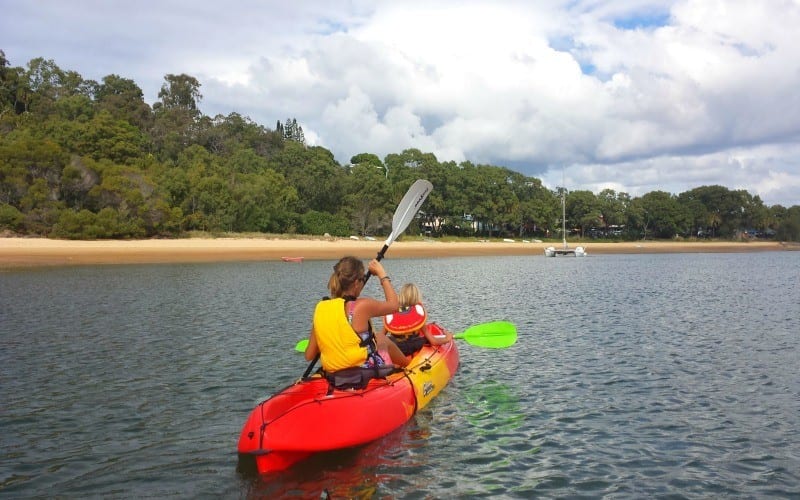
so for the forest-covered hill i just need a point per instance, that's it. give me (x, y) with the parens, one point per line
(86, 159)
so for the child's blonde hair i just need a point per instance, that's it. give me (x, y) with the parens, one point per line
(409, 295)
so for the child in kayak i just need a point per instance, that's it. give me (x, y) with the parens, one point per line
(341, 332)
(407, 327)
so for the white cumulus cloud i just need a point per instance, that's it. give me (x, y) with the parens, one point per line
(632, 95)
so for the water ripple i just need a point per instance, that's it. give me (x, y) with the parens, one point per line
(634, 376)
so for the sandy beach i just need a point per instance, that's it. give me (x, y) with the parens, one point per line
(33, 252)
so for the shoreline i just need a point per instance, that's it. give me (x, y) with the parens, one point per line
(38, 252)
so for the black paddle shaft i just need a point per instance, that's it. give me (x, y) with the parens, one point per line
(378, 258)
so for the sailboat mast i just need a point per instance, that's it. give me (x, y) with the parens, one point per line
(564, 217)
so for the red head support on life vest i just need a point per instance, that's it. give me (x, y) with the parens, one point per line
(406, 321)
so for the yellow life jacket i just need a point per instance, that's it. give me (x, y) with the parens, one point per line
(339, 345)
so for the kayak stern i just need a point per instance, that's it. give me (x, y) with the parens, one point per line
(308, 417)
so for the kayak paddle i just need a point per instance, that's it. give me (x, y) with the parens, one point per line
(403, 215)
(494, 335)
(405, 212)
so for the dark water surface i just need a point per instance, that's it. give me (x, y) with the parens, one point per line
(634, 376)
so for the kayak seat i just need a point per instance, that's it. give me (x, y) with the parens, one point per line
(358, 377)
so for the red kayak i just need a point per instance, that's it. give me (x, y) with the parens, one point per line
(309, 417)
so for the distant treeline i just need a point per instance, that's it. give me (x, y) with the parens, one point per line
(86, 159)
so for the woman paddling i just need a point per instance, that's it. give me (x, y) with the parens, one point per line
(341, 332)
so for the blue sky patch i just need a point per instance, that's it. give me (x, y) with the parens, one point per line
(645, 21)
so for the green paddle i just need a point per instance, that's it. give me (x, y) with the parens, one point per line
(301, 346)
(494, 335)
(403, 215)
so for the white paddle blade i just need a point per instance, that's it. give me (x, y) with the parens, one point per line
(408, 207)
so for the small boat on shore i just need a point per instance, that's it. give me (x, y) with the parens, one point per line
(312, 416)
(292, 259)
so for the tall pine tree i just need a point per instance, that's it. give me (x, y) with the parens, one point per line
(292, 131)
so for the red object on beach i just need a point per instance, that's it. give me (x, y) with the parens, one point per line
(310, 417)
(292, 259)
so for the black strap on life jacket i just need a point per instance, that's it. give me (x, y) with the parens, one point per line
(370, 342)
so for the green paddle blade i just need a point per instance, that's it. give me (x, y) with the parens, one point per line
(494, 335)
(301, 346)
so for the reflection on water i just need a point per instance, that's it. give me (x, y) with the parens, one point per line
(359, 472)
(490, 407)
(633, 376)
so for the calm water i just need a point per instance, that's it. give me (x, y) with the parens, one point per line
(634, 376)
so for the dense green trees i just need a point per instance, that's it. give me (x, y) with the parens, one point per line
(82, 159)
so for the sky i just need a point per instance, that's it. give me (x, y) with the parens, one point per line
(630, 95)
